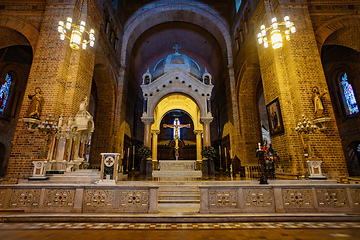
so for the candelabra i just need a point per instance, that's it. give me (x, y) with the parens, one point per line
(76, 32)
(305, 126)
(276, 33)
(48, 127)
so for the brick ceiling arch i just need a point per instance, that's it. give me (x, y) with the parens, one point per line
(25, 28)
(205, 18)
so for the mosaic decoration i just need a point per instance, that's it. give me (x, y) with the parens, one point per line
(99, 198)
(134, 199)
(331, 197)
(4, 93)
(297, 198)
(259, 197)
(355, 194)
(25, 198)
(59, 197)
(349, 96)
(223, 198)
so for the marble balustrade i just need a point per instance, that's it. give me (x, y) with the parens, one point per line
(75, 198)
(344, 198)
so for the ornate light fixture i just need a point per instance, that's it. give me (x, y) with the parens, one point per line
(305, 126)
(49, 127)
(76, 32)
(276, 33)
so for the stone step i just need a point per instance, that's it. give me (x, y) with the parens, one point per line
(178, 201)
(176, 198)
(179, 193)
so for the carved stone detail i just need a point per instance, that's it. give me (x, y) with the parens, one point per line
(59, 197)
(2, 198)
(134, 199)
(223, 198)
(98, 198)
(25, 198)
(297, 198)
(259, 197)
(355, 194)
(332, 198)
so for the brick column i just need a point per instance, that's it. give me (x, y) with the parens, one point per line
(289, 73)
(64, 76)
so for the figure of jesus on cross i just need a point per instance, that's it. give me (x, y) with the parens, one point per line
(176, 126)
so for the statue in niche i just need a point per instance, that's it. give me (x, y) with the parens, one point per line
(36, 105)
(318, 104)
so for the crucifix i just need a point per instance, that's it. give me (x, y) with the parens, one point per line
(176, 48)
(176, 126)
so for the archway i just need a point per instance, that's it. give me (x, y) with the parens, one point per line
(102, 105)
(166, 106)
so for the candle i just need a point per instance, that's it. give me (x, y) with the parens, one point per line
(128, 152)
(230, 153)
(259, 145)
(225, 152)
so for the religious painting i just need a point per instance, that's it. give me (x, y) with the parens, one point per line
(275, 119)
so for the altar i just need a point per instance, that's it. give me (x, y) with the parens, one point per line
(179, 168)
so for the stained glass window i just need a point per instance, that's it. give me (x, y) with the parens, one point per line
(4, 93)
(348, 95)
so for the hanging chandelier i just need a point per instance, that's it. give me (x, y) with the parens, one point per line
(276, 31)
(77, 34)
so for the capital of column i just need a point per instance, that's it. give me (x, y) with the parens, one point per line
(206, 120)
(147, 120)
(155, 132)
(198, 132)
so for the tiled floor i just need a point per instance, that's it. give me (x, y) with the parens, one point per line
(182, 226)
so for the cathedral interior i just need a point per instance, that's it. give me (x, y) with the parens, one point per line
(81, 78)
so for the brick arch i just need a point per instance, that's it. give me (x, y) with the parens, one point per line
(104, 113)
(25, 28)
(139, 23)
(332, 25)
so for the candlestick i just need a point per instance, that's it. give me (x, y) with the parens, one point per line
(133, 158)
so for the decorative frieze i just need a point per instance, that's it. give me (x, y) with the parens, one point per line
(2, 197)
(223, 198)
(297, 198)
(332, 198)
(59, 197)
(137, 200)
(99, 198)
(259, 197)
(25, 198)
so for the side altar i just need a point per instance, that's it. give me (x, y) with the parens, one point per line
(177, 168)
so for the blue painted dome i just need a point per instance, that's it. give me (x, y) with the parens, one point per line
(176, 60)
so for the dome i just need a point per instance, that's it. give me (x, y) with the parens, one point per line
(176, 60)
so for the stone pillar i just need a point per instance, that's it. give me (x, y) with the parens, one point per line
(148, 121)
(206, 123)
(198, 144)
(155, 134)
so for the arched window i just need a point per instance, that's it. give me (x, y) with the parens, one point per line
(4, 93)
(348, 96)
